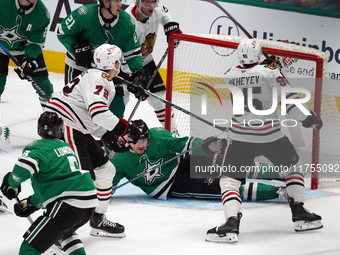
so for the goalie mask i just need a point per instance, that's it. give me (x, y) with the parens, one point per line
(142, 127)
(249, 51)
(50, 125)
(106, 55)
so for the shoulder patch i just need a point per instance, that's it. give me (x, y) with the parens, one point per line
(82, 10)
(48, 14)
(106, 76)
(32, 143)
(159, 128)
(165, 9)
(270, 67)
(132, 20)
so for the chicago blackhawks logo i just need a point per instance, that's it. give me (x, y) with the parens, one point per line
(148, 45)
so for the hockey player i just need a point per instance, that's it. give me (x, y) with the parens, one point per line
(83, 104)
(5, 142)
(89, 26)
(67, 194)
(148, 15)
(23, 33)
(266, 139)
(157, 145)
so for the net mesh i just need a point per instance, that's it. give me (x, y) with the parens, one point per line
(197, 65)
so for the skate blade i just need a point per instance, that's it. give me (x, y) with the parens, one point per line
(101, 233)
(228, 238)
(301, 226)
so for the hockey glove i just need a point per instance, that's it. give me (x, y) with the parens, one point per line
(28, 66)
(140, 79)
(119, 138)
(25, 208)
(83, 55)
(7, 190)
(273, 61)
(313, 121)
(214, 145)
(172, 28)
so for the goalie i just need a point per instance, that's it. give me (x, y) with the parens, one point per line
(267, 140)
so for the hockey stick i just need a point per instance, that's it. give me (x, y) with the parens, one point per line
(149, 83)
(30, 79)
(28, 217)
(171, 104)
(165, 162)
(235, 21)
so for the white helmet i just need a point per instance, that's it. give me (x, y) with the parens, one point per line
(249, 51)
(106, 55)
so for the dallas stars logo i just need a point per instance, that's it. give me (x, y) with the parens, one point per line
(10, 35)
(155, 172)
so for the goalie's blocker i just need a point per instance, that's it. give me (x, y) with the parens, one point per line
(119, 138)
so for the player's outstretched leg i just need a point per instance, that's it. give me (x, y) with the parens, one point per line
(226, 233)
(302, 218)
(101, 226)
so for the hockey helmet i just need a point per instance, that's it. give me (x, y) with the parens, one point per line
(249, 51)
(142, 127)
(106, 55)
(50, 125)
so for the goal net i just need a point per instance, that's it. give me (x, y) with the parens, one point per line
(195, 78)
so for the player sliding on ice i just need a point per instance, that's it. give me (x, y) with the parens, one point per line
(267, 140)
(157, 145)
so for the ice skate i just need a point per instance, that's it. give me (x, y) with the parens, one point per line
(5, 142)
(226, 233)
(302, 218)
(101, 226)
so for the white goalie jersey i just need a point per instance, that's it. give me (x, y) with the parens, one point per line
(83, 103)
(147, 32)
(260, 81)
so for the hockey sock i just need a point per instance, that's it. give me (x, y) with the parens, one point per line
(255, 191)
(2, 82)
(27, 249)
(231, 198)
(73, 245)
(295, 186)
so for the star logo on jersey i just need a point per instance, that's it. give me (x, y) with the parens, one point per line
(209, 181)
(155, 172)
(10, 35)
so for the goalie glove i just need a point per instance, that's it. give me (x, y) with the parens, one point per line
(25, 208)
(314, 121)
(83, 55)
(214, 145)
(7, 190)
(172, 28)
(119, 138)
(27, 68)
(273, 61)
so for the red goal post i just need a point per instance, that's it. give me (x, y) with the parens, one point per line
(209, 56)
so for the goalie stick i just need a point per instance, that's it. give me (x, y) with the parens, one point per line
(165, 162)
(149, 83)
(171, 104)
(30, 79)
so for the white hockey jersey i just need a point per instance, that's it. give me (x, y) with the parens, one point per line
(147, 32)
(83, 103)
(255, 128)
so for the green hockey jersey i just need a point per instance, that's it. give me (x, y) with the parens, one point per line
(85, 24)
(163, 145)
(23, 31)
(53, 169)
